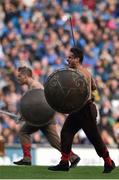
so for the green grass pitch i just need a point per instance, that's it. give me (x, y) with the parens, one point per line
(41, 172)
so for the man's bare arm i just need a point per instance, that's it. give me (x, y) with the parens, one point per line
(93, 84)
(37, 85)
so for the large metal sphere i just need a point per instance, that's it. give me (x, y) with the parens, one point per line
(35, 109)
(66, 90)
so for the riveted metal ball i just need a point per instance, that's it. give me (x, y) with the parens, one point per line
(66, 90)
(35, 109)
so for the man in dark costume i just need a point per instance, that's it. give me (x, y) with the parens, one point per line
(84, 118)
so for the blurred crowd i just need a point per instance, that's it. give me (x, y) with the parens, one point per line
(37, 34)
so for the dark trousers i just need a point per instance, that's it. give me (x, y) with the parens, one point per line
(85, 119)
